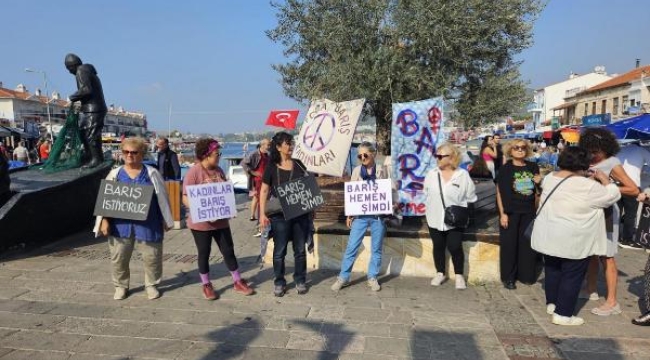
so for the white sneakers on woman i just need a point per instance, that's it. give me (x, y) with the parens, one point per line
(441, 278)
(438, 279)
(566, 320)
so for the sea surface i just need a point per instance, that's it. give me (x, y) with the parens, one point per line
(239, 150)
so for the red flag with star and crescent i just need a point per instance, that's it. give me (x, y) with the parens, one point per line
(283, 118)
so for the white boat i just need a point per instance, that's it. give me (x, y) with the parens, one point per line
(236, 173)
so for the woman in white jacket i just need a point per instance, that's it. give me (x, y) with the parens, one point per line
(123, 234)
(569, 228)
(457, 189)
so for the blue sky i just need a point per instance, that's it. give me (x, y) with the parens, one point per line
(212, 60)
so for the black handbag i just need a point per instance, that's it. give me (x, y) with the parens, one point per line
(455, 215)
(528, 232)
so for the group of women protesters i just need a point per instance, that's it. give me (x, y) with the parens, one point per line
(570, 209)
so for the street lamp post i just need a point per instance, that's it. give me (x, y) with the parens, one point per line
(47, 102)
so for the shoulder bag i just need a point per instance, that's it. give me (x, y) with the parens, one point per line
(455, 215)
(528, 233)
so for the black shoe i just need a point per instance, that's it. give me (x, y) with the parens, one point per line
(510, 285)
(626, 244)
(643, 320)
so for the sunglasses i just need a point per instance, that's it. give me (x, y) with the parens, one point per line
(519, 148)
(362, 156)
(129, 152)
(217, 154)
(440, 157)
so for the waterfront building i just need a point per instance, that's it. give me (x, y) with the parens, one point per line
(27, 112)
(615, 99)
(546, 100)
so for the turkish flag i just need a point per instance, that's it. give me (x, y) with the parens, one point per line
(283, 118)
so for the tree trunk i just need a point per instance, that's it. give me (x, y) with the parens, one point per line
(384, 118)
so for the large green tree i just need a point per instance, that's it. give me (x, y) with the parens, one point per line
(391, 51)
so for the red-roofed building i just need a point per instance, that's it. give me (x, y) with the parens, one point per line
(621, 96)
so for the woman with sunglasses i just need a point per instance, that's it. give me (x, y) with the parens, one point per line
(457, 189)
(207, 170)
(123, 234)
(516, 194)
(283, 168)
(369, 171)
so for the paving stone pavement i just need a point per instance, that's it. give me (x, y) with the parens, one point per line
(56, 303)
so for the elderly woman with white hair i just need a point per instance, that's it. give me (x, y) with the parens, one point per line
(449, 182)
(124, 234)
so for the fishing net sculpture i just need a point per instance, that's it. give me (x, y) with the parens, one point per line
(67, 151)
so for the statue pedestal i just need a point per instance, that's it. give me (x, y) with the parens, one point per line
(407, 250)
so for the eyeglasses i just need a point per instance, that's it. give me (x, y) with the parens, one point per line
(519, 148)
(362, 156)
(216, 154)
(440, 157)
(129, 152)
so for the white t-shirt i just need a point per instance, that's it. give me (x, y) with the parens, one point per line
(20, 152)
(634, 157)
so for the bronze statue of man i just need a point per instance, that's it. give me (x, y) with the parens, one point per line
(93, 107)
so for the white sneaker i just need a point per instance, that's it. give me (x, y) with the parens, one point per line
(591, 297)
(339, 284)
(152, 293)
(374, 284)
(460, 283)
(120, 293)
(550, 309)
(568, 321)
(258, 234)
(438, 279)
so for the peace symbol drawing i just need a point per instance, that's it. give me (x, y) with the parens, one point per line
(319, 132)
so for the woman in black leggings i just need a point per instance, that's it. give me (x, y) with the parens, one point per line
(207, 170)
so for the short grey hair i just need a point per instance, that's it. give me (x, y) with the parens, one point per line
(369, 146)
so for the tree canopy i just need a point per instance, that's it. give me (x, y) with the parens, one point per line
(391, 51)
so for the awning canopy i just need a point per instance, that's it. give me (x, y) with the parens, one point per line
(18, 132)
(4, 132)
(565, 105)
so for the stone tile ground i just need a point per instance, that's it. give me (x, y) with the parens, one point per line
(56, 303)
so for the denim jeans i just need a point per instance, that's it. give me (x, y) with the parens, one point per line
(357, 232)
(296, 231)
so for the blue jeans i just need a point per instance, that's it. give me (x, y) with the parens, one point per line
(357, 232)
(296, 231)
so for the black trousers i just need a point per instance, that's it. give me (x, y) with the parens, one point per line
(517, 259)
(451, 240)
(295, 230)
(629, 207)
(563, 279)
(223, 238)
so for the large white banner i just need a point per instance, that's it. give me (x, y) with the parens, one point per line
(212, 201)
(416, 133)
(368, 197)
(326, 135)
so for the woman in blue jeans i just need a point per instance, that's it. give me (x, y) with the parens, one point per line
(367, 171)
(283, 168)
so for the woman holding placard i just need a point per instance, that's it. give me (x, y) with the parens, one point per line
(282, 168)
(123, 233)
(207, 170)
(457, 188)
(368, 171)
